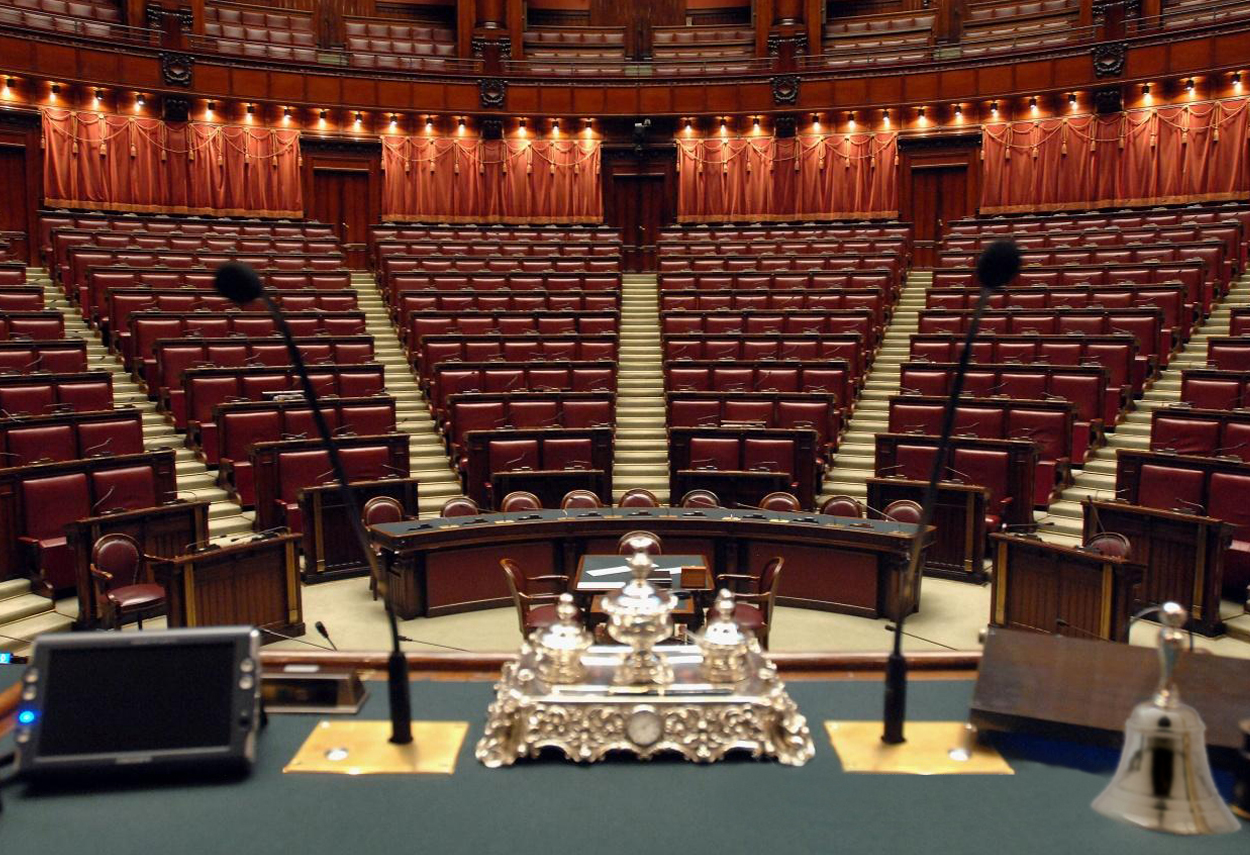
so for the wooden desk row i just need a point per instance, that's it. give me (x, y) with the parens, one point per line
(442, 566)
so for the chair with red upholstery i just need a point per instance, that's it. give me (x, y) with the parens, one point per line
(638, 497)
(567, 453)
(779, 501)
(1170, 488)
(1111, 544)
(48, 505)
(519, 500)
(459, 506)
(382, 509)
(580, 499)
(1228, 492)
(30, 399)
(987, 469)
(113, 436)
(536, 609)
(714, 452)
(914, 462)
(842, 506)
(755, 597)
(904, 511)
(117, 566)
(297, 470)
(639, 541)
(1184, 436)
(238, 431)
(768, 455)
(700, 499)
(127, 489)
(43, 443)
(510, 455)
(368, 463)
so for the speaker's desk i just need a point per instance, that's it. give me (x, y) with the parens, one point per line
(730, 807)
(444, 565)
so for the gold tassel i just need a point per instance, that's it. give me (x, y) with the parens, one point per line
(431, 164)
(1184, 136)
(1007, 152)
(134, 152)
(104, 148)
(872, 161)
(456, 168)
(74, 148)
(846, 163)
(1153, 139)
(552, 169)
(796, 164)
(191, 155)
(221, 161)
(162, 155)
(1035, 152)
(1215, 136)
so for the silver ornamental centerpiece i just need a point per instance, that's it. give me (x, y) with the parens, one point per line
(723, 643)
(1163, 781)
(640, 616)
(559, 647)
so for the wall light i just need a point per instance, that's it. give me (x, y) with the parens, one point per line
(394, 121)
(1145, 93)
(54, 91)
(321, 119)
(586, 127)
(959, 113)
(286, 115)
(555, 127)
(209, 108)
(885, 117)
(994, 109)
(251, 110)
(1033, 105)
(1072, 100)
(359, 119)
(429, 124)
(1236, 81)
(816, 122)
(1189, 85)
(850, 120)
(521, 131)
(95, 99)
(920, 117)
(139, 101)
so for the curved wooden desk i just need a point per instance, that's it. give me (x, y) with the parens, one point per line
(441, 566)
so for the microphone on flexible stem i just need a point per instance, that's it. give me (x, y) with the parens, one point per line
(292, 638)
(239, 284)
(325, 633)
(998, 265)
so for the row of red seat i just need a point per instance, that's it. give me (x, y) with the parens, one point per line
(120, 303)
(505, 301)
(1230, 233)
(21, 298)
(420, 324)
(12, 273)
(172, 357)
(238, 425)
(435, 349)
(389, 265)
(83, 259)
(603, 283)
(870, 276)
(453, 378)
(65, 240)
(36, 394)
(1202, 432)
(1099, 405)
(743, 454)
(831, 376)
(818, 411)
(521, 411)
(58, 356)
(1116, 353)
(206, 389)
(489, 453)
(1050, 424)
(70, 436)
(145, 328)
(1229, 353)
(861, 322)
(493, 246)
(16, 324)
(766, 347)
(684, 253)
(852, 230)
(322, 289)
(1213, 389)
(1239, 321)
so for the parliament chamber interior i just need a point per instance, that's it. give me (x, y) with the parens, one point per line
(700, 282)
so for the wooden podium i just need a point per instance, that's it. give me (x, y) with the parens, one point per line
(958, 550)
(1050, 588)
(164, 531)
(1183, 555)
(255, 583)
(330, 549)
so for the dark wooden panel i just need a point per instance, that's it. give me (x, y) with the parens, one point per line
(287, 87)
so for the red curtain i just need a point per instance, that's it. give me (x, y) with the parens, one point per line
(1159, 155)
(811, 177)
(129, 163)
(490, 181)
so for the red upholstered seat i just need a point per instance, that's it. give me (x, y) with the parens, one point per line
(1184, 436)
(297, 470)
(1228, 501)
(638, 498)
(506, 455)
(112, 436)
(567, 453)
(785, 502)
(459, 506)
(48, 505)
(238, 432)
(382, 509)
(117, 572)
(367, 463)
(914, 462)
(842, 506)
(31, 399)
(714, 452)
(128, 488)
(987, 469)
(1170, 488)
(45, 442)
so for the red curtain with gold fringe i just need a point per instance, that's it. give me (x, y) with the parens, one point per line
(490, 181)
(1153, 156)
(131, 163)
(808, 177)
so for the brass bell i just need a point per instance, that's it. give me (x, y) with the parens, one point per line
(1163, 781)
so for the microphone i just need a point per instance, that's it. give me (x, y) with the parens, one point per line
(98, 445)
(104, 498)
(1060, 623)
(962, 476)
(240, 284)
(292, 638)
(997, 265)
(324, 633)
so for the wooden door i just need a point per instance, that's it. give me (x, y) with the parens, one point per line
(939, 194)
(637, 201)
(13, 211)
(341, 199)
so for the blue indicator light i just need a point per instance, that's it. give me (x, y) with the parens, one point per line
(26, 717)
(6, 658)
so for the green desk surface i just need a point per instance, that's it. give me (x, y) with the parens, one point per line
(615, 807)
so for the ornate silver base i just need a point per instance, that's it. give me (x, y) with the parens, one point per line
(699, 720)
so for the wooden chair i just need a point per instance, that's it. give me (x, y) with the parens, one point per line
(535, 609)
(700, 499)
(117, 572)
(1111, 544)
(842, 506)
(520, 500)
(780, 501)
(580, 499)
(379, 510)
(753, 603)
(459, 506)
(904, 511)
(638, 498)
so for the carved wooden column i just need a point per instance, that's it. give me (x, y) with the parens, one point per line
(814, 17)
(173, 20)
(948, 21)
(787, 38)
(491, 42)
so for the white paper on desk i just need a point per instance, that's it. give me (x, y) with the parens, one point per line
(612, 571)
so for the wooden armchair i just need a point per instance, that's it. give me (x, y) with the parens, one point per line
(753, 601)
(117, 573)
(535, 609)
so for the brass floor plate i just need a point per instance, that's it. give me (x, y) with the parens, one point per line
(932, 748)
(362, 748)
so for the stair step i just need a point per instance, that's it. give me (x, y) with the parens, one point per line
(10, 588)
(17, 608)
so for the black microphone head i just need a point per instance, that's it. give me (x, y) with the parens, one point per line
(237, 282)
(999, 263)
(321, 629)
